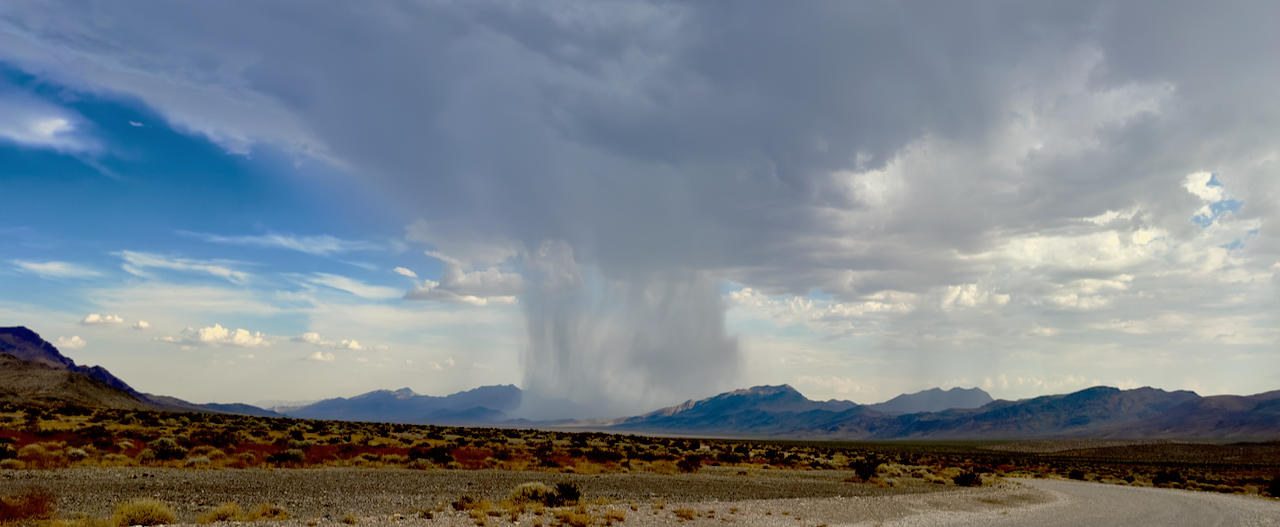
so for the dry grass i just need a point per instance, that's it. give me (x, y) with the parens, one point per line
(268, 512)
(532, 492)
(685, 514)
(350, 519)
(143, 511)
(26, 507)
(227, 512)
(614, 515)
(578, 517)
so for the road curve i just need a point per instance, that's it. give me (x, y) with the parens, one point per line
(1098, 505)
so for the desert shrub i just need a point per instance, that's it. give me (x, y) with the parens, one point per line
(968, 478)
(421, 464)
(566, 493)
(268, 512)
(26, 507)
(77, 454)
(8, 452)
(865, 469)
(685, 514)
(227, 512)
(1168, 477)
(292, 455)
(1273, 489)
(599, 455)
(1076, 474)
(690, 463)
(197, 462)
(730, 458)
(12, 464)
(143, 511)
(575, 518)
(207, 451)
(532, 492)
(167, 448)
(439, 455)
(350, 519)
(464, 502)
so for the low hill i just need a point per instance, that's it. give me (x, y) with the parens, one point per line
(486, 404)
(33, 370)
(28, 382)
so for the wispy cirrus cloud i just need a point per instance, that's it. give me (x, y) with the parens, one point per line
(322, 245)
(353, 286)
(53, 269)
(137, 263)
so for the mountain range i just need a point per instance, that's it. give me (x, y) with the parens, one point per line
(32, 370)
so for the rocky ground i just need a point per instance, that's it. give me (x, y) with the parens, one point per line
(368, 496)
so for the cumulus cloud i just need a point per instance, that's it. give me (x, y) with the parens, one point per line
(96, 319)
(141, 325)
(54, 269)
(73, 343)
(218, 336)
(138, 264)
(315, 339)
(320, 356)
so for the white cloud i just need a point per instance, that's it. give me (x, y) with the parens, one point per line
(323, 245)
(354, 287)
(315, 339)
(96, 319)
(32, 122)
(970, 295)
(73, 343)
(478, 288)
(321, 357)
(137, 263)
(55, 269)
(218, 336)
(141, 325)
(405, 272)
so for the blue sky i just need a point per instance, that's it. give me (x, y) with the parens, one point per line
(634, 204)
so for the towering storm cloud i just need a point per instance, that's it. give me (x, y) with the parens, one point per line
(927, 180)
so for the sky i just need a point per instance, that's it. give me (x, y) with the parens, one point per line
(632, 204)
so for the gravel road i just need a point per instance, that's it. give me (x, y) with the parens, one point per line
(714, 496)
(1096, 505)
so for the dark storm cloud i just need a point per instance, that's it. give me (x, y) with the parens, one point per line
(853, 147)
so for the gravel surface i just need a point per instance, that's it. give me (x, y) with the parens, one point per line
(1082, 504)
(336, 492)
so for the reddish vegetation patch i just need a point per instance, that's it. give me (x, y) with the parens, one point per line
(34, 506)
(471, 458)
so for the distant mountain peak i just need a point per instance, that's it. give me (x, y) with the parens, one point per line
(404, 393)
(934, 400)
(764, 390)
